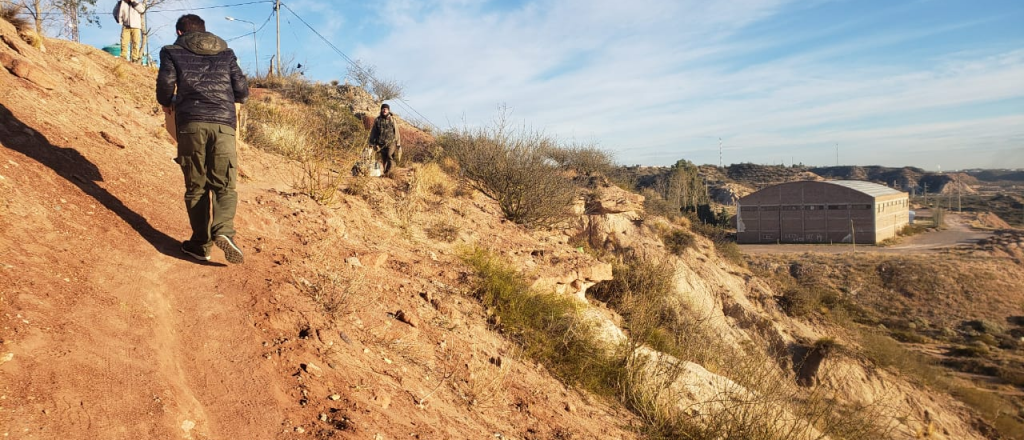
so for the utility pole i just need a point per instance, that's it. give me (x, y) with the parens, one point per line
(277, 12)
(959, 208)
(853, 236)
(837, 154)
(719, 152)
(949, 199)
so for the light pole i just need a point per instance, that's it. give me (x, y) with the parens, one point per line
(256, 62)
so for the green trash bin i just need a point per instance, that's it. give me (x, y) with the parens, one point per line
(113, 49)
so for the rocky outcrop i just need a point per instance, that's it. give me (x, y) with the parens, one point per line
(21, 59)
(609, 219)
(728, 193)
(740, 312)
(576, 281)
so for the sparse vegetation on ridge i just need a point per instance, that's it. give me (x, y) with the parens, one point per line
(546, 326)
(312, 126)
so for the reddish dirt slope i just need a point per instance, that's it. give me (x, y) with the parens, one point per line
(109, 332)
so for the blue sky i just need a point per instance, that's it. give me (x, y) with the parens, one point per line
(928, 83)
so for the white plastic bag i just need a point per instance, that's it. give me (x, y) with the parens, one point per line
(368, 165)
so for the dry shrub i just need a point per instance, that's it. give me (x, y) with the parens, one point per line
(11, 13)
(510, 167)
(655, 204)
(479, 382)
(121, 71)
(329, 291)
(417, 146)
(366, 76)
(583, 159)
(311, 126)
(760, 402)
(359, 186)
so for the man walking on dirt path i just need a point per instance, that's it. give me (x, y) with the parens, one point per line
(205, 74)
(129, 16)
(385, 138)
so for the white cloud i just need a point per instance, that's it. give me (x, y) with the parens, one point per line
(656, 81)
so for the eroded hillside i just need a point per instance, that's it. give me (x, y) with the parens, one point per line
(362, 318)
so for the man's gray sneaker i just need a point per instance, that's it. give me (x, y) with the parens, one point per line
(197, 253)
(231, 252)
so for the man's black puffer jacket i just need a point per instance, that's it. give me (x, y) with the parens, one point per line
(207, 77)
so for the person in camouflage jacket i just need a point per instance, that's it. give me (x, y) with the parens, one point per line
(384, 137)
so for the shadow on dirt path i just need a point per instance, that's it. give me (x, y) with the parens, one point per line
(75, 168)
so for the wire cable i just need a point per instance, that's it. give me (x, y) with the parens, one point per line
(213, 7)
(359, 68)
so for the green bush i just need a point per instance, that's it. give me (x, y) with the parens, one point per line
(545, 325)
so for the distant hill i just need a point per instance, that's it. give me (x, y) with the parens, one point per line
(904, 178)
(998, 175)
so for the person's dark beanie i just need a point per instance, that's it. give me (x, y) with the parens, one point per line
(385, 106)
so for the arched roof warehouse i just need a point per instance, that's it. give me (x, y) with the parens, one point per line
(835, 211)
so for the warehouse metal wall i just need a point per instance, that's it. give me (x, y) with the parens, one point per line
(818, 212)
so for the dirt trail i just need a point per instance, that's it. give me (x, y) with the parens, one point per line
(107, 330)
(161, 348)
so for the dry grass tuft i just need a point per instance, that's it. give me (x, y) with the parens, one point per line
(445, 230)
(431, 179)
(312, 126)
(11, 13)
(329, 291)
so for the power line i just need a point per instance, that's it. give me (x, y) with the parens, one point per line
(212, 7)
(355, 65)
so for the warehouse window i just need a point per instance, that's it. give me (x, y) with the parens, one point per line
(748, 208)
(835, 207)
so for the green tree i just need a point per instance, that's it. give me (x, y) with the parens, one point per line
(683, 188)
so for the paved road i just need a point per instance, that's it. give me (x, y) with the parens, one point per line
(958, 232)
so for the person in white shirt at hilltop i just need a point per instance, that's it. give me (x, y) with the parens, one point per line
(129, 16)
